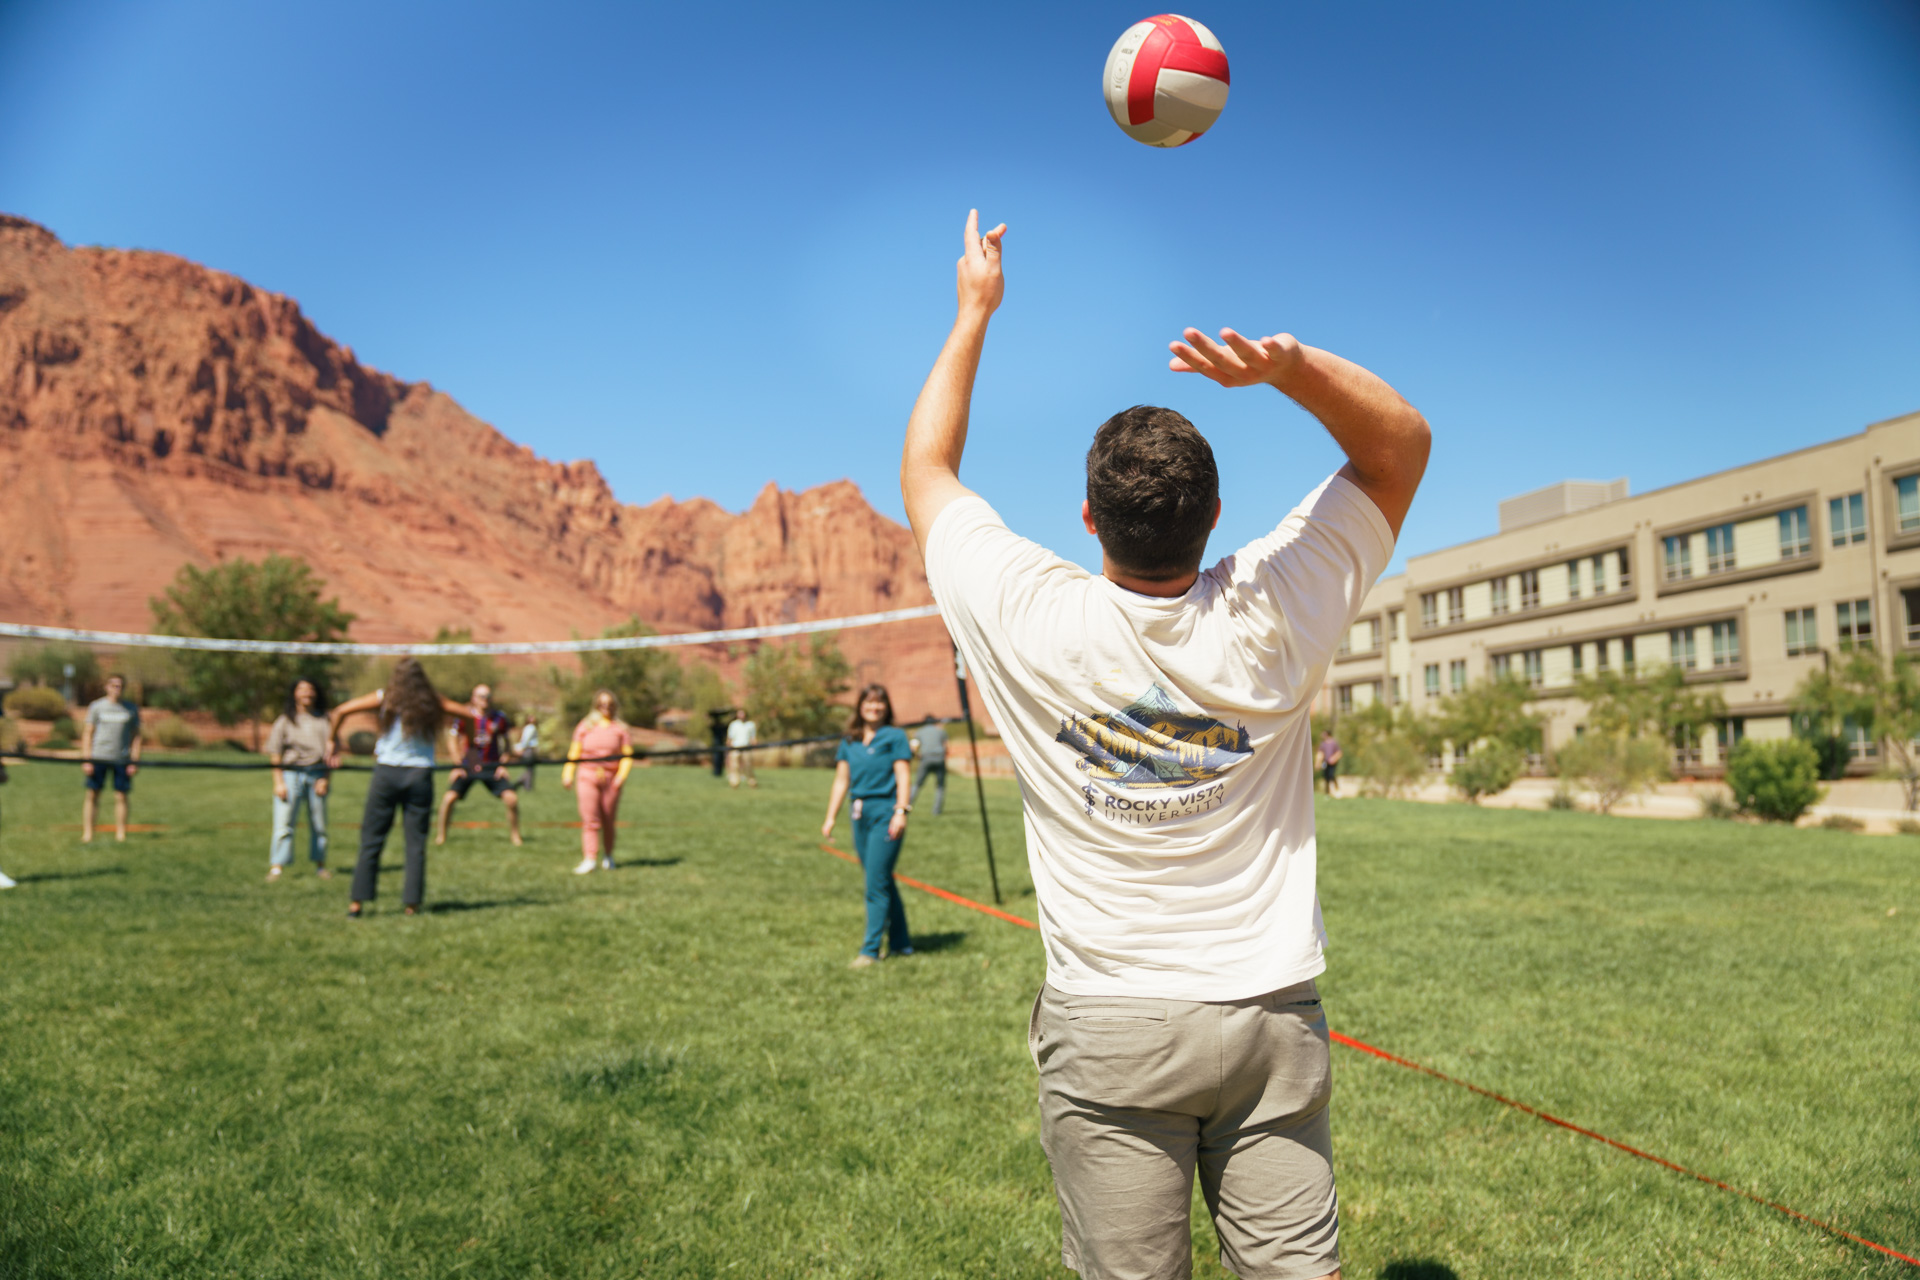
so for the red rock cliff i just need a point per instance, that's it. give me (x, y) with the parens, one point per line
(154, 413)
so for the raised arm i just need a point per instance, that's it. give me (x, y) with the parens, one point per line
(1385, 438)
(937, 431)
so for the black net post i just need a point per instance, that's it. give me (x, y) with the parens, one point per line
(979, 787)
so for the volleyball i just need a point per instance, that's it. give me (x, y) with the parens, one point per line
(1166, 80)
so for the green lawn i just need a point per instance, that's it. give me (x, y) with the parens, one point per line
(669, 1071)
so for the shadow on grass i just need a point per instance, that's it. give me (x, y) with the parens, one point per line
(1418, 1269)
(646, 862)
(47, 876)
(449, 908)
(926, 942)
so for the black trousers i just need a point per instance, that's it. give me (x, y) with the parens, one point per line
(394, 788)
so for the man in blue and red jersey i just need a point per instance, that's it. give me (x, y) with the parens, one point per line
(483, 741)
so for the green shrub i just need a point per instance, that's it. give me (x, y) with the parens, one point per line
(1775, 781)
(1842, 822)
(1390, 765)
(1488, 769)
(1719, 807)
(1563, 798)
(64, 727)
(1908, 826)
(57, 742)
(173, 732)
(36, 702)
(1612, 765)
(9, 734)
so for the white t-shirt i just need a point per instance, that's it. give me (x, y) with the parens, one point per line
(740, 733)
(1163, 746)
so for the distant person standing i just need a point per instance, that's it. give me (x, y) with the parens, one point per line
(483, 743)
(871, 766)
(1329, 761)
(527, 750)
(300, 744)
(110, 745)
(411, 714)
(598, 761)
(930, 744)
(742, 733)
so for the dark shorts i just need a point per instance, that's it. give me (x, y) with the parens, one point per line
(1327, 771)
(122, 780)
(491, 776)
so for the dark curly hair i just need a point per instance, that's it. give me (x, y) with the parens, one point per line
(856, 726)
(412, 700)
(1153, 491)
(319, 696)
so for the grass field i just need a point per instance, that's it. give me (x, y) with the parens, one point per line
(670, 1071)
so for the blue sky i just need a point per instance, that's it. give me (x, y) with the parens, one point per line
(1650, 239)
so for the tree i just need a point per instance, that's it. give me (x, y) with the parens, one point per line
(793, 690)
(1881, 701)
(1488, 769)
(456, 674)
(1662, 703)
(646, 681)
(1387, 750)
(276, 599)
(1493, 709)
(47, 664)
(1776, 781)
(1612, 765)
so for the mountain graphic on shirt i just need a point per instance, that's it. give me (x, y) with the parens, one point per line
(1152, 743)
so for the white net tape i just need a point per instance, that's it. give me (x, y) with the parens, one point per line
(207, 644)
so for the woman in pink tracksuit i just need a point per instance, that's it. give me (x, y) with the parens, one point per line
(597, 764)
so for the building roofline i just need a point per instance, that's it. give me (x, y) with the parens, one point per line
(1678, 484)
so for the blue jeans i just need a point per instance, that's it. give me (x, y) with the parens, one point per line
(287, 812)
(886, 913)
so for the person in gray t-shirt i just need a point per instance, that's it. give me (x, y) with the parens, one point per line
(930, 744)
(110, 745)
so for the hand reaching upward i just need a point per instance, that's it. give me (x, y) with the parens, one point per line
(980, 281)
(1240, 362)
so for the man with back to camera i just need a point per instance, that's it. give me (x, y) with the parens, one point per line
(110, 745)
(1159, 718)
(482, 730)
(930, 745)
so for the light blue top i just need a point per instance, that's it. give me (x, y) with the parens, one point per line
(398, 749)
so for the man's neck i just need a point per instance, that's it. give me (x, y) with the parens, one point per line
(1164, 588)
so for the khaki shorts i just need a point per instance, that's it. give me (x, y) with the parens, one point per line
(1135, 1095)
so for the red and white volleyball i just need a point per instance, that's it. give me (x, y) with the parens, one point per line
(1166, 80)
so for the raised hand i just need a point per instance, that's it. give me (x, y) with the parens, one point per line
(980, 282)
(1235, 361)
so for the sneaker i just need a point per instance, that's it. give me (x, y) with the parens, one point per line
(6, 881)
(902, 953)
(606, 863)
(863, 961)
(273, 873)
(585, 866)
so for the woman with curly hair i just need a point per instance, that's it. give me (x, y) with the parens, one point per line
(411, 714)
(871, 765)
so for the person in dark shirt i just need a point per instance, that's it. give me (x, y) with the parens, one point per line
(483, 746)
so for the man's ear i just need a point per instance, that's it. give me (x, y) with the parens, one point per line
(1216, 515)
(1086, 517)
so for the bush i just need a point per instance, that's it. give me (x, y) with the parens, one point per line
(9, 734)
(1562, 798)
(36, 702)
(1842, 822)
(1612, 765)
(64, 727)
(1488, 769)
(173, 732)
(1390, 765)
(1718, 807)
(1775, 781)
(1908, 826)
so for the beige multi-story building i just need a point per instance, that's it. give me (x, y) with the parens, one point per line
(1743, 579)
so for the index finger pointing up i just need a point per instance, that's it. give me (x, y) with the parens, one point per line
(972, 234)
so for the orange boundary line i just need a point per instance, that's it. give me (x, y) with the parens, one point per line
(1535, 1112)
(938, 892)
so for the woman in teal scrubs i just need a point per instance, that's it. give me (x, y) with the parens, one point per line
(872, 766)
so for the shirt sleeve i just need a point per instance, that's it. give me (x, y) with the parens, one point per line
(277, 739)
(987, 579)
(1298, 588)
(902, 749)
(840, 752)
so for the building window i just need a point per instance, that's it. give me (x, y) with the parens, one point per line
(1910, 600)
(1429, 611)
(1907, 489)
(1626, 654)
(1529, 589)
(1497, 591)
(1859, 745)
(1343, 699)
(1393, 626)
(1847, 519)
(1457, 675)
(1680, 647)
(1579, 652)
(1853, 622)
(1573, 579)
(1433, 679)
(1625, 578)
(1598, 569)
(1732, 732)
(1533, 668)
(1726, 643)
(1373, 633)
(1803, 633)
(1346, 643)
(1720, 549)
(1795, 538)
(1456, 605)
(1679, 549)
(1600, 654)
(1502, 666)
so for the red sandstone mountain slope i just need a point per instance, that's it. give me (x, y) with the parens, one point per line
(154, 413)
